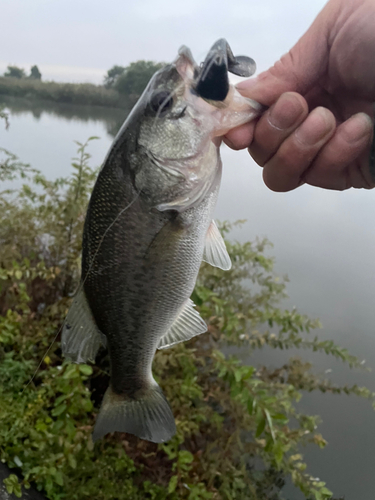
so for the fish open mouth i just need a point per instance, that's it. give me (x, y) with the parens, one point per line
(212, 80)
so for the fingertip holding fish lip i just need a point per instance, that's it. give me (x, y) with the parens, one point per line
(240, 137)
(246, 85)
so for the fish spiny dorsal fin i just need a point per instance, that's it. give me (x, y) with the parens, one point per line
(215, 252)
(81, 338)
(187, 325)
(147, 415)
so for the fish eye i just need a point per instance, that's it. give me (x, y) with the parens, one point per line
(161, 101)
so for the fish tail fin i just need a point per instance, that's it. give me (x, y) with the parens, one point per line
(148, 416)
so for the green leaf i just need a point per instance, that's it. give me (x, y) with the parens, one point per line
(59, 478)
(59, 410)
(17, 490)
(238, 375)
(13, 486)
(278, 451)
(87, 405)
(326, 491)
(260, 427)
(185, 457)
(85, 369)
(71, 372)
(72, 462)
(280, 416)
(60, 399)
(172, 484)
(270, 424)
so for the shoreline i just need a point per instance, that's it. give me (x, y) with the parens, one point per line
(83, 94)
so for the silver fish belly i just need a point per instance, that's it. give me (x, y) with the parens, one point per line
(148, 227)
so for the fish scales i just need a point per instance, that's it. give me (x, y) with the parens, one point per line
(145, 279)
(147, 229)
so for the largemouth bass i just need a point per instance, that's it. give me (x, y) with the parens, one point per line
(147, 229)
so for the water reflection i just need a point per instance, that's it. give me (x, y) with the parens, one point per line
(112, 118)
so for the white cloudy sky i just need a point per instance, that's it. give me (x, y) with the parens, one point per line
(79, 40)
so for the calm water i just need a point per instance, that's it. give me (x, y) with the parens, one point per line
(324, 241)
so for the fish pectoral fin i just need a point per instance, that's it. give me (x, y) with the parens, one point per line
(215, 252)
(81, 338)
(187, 325)
(148, 416)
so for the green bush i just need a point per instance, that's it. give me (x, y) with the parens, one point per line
(239, 434)
(71, 93)
(14, 72)
(134, 79)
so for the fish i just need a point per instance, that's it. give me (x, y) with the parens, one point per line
(149, 225)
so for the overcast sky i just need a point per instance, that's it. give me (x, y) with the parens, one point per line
(78, 40)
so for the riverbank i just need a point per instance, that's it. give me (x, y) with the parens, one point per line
(68, 93)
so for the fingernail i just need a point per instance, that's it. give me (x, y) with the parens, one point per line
(285, 112)
(358, 126)
(315, 127)
(247, 84)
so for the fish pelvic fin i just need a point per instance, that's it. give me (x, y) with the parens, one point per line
(187, 325)
(147, 416)
(215, 252)
(81, 338)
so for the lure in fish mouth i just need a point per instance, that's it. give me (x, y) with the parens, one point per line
(212, 81)
(148, 227)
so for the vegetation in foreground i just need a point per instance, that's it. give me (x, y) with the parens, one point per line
(122, 86)
(239, 434)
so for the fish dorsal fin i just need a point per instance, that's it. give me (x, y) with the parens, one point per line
(81, 338)
(215, 252)
(187, 325)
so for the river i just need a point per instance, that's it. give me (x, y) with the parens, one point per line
(323, 240)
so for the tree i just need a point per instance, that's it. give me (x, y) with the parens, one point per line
(112, 75)
(35, 74)
(15, 72)
(136, 76)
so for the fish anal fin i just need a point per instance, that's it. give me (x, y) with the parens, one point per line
(215, 252)
(81, 338)
(148, 416)
(187, 325)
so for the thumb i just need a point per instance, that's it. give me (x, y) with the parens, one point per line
(299, 69)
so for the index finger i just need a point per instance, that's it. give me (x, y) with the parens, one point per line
(240, 137)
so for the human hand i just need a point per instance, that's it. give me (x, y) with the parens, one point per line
(331, 72)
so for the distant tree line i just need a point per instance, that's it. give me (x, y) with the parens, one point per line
(131, 80)
(121, 88)
(16, 72)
